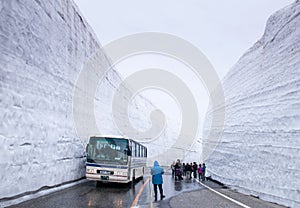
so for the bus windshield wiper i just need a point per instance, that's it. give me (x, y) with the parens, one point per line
(90, 160)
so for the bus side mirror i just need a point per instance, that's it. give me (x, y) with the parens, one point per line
(86, 148)
(128, 152)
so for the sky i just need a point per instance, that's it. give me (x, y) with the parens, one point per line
(221, 30)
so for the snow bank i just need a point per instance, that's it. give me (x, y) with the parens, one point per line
(258, 152)
(43, 46)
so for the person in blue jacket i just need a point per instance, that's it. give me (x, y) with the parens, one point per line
(157, 179)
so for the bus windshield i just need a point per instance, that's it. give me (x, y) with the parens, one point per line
(108, 150)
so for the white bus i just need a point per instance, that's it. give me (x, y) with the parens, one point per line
(115, 159)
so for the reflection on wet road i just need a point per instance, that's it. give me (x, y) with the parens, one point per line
(175, 187)
(171, 188)
(87, 194)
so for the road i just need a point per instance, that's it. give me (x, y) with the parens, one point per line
(178, 194)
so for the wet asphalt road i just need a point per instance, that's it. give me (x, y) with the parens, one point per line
(88, 194)
(186, 193)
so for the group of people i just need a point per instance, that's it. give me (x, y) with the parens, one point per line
(178, 171)
(188, 170)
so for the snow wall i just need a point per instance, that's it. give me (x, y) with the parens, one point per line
(258, 152)
(43, 47)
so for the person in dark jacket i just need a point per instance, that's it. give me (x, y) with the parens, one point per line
(188, 169)
(173, 169)
(157, 180)
(183, 169)
(195, 168)
(178, 171)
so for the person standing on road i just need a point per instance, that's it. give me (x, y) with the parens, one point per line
(173, 169)
(191, 165)
(157, 180)
(178, 171)
(183, 169)
(188, 169)
(195, 168)
(203, 171)
(200, 172)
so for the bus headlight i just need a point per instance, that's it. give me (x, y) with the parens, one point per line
(90, 170)
(121, 173)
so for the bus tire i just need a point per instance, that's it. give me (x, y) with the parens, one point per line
(143, 173)
(133, 178)
(98, 183)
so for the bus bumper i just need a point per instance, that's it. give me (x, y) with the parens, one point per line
(107, 178)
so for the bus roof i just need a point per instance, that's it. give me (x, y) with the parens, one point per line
(111, 136)
(116, 136)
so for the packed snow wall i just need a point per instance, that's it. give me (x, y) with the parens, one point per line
(43, 47)
(258, 152)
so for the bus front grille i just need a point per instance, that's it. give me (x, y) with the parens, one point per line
(105, 172)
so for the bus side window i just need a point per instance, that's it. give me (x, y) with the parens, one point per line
(127, 151)
(133, 149)
(140, 151)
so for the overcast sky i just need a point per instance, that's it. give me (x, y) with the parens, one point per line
(222, 30)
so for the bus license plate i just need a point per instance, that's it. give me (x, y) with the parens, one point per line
(105, 178)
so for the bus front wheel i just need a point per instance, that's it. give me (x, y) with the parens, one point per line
(133, 178)
(98, 183)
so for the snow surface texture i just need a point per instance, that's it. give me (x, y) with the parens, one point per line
(43, 46)
(258, 152)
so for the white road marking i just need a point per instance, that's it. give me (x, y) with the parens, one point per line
(226, 197)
